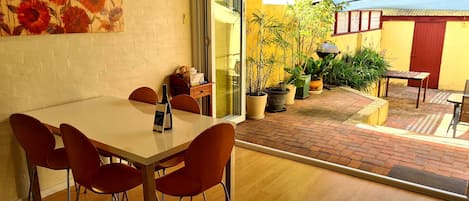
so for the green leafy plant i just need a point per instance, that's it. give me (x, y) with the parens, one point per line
(357, 71)
(317, 68)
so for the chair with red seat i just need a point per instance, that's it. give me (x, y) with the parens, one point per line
(180, 102)
(144, 94)
(186, 103)
(87, 170)
(205, 160)
(39, 145)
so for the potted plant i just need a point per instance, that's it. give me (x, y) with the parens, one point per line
(317, 68)
(277, 95)
(309, 24)
(259, 62)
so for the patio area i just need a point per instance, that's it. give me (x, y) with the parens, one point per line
(317, 127)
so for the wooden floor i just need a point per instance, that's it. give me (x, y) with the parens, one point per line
(262, 177)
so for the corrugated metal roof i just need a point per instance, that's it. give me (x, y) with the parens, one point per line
(444, 5)
(403, 12)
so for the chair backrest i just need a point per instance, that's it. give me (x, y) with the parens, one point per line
(466, 87)
(37, 141)
(208, 154)
(186, 103)
(464, 115)
(144, 94)
(82, 155)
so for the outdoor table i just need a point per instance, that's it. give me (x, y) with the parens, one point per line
(456, 99)
(408, 75)
(124, 128)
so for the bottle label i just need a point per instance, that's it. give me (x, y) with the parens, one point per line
(160, 117)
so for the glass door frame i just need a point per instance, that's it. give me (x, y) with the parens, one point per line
(203, 42)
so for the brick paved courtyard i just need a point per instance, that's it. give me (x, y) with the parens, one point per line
(316, 127)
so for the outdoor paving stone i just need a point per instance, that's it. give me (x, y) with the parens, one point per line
(316, 127)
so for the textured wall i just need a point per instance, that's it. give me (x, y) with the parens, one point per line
(455, 62)
(39, 71)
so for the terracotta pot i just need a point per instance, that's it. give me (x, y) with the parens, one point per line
(315, 86)
(255, 106)
(290, 99)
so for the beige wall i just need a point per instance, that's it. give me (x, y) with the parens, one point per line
(39, 71)
(455, 62)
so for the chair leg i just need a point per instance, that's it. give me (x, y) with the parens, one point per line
(180, 198)
(205, 196)
(68, 185)
(226, 191)
(78, 192)
(30, 191)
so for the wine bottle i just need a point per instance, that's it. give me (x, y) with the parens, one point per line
(168, 120)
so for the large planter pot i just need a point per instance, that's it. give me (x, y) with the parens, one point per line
(255, 106)
(315, 86)
(302, 86)
(276, 99)
(290, 99)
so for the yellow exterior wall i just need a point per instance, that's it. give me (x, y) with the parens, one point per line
(455, 60)
(350, 43)
(40, 71)
(396, 43)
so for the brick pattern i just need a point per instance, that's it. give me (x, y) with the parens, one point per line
(315, 127)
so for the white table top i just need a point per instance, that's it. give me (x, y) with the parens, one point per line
(124, 127)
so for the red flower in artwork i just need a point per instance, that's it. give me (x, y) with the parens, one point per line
(59, 2)
(93, 5)
(34, 16)
(75, 20)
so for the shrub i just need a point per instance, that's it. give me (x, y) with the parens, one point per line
(358, 71)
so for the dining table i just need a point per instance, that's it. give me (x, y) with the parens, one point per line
(125, 128)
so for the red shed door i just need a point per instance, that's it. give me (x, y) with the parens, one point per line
(427, 49)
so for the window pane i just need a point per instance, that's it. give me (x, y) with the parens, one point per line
(365, 18)
(342, 22)
(375, 19)
(355, 21)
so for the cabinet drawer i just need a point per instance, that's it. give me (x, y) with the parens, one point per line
(201, 91)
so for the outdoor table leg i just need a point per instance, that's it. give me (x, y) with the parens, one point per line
(148, 178)
(455, 106)
(425, 90)
(387, 85)
(418, 94)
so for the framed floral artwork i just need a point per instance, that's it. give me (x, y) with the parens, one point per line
(35, 17)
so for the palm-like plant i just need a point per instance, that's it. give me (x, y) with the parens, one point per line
(261, 61)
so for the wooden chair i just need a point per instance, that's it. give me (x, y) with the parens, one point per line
(205, 160)
(144, 94)
(186, 103)
(39, 145)
(87, 170)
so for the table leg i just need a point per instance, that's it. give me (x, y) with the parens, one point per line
(456, 119)
(228, 179)
(379, 87)
(35, 189)
(418, 94)
(387, 85)
(425, 90)
(454, 116)
(148, 176)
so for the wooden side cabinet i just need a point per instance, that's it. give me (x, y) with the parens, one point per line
(179, 86)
